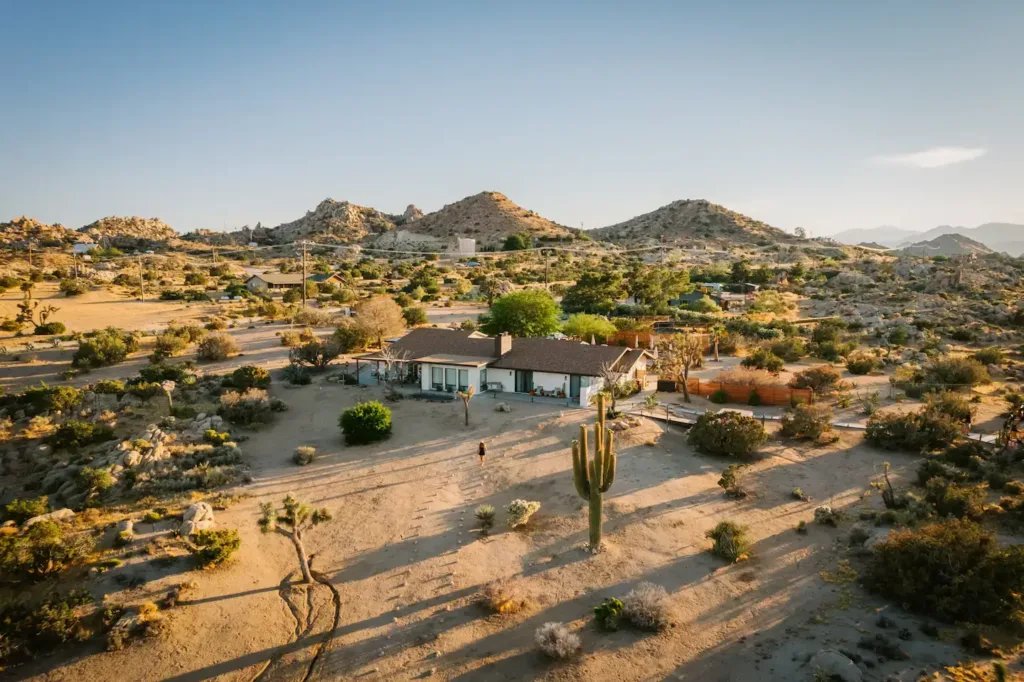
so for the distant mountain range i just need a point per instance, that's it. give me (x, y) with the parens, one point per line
(1004, 237)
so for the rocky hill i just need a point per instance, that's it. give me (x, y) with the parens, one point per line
(131, 233)
(21, 232)
(340, 222)
(947, 245)
(488, 217)
(692, 220)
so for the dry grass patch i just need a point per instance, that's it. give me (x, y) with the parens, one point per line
(503, 596)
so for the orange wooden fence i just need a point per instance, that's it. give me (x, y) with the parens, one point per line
(740, 393)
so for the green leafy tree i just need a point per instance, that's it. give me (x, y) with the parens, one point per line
(530, 312)
(594, 293)
(517, 242)
(584, 326)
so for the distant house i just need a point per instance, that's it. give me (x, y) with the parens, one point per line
(82, 248)
(274, 281)
(449, 360)
(688, 299)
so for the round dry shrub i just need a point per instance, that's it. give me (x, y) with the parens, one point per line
(993, 355)
(953, 570)
(304, 454)
(365, 423)
(216, 347)
(807, 421)
(647, 607)
(913, 431)
(861, 363)
(950, 499)
(821, 379)
(502, 596)
(520, 511)
(253, 406)
(250, 376)
(555, 640)
(727, 433)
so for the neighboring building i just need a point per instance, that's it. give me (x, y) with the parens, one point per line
(82, 248)
(466, 246)
(447, 360)
(274, 281)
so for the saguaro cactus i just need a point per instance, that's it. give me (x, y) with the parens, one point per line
(593, 477)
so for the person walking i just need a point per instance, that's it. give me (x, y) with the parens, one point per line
(482, 452)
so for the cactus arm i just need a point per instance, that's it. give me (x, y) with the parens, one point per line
(596, 500)
(579, 471)
(609, 466)
(597, 477)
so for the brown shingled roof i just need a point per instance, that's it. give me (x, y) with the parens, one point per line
(551, 355)
(425, 341)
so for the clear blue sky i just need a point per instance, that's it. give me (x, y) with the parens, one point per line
(815, 114)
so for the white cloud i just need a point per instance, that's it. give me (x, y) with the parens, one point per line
(936, 157)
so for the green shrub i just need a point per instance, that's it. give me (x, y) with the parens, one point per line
(755, 398)
(861, 363)
(95, 480)
(950, 404)
(950, 499)
(214, 547)
(807, 421)
(108, 387)
(351, 337)
(297, 375)
(168, 346)
(216, 347)
(914, 431)
(250, 376)
(77, 434)
(365, 423)
(933, 467)
(727, 433)
(44, 398)
(730, 541)
(50, 328)
(252, 406)
(993, 355)
(789, 348)
(608, 613)
(762, 358)
(415, 315)
(196, 278)
(956, 372)
(821, 380)
(72, 287)
(21, 511)
(107, 347)
(44, 549)
(212, 437)
(719, 397)
(952, 570)
(833, 351)
(145, 389)
(180, 373)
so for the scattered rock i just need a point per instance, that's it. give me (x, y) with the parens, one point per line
(502, 407)
(59, 515)
(836, 665)
(197, 517)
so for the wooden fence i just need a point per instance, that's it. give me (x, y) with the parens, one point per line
(740, 393)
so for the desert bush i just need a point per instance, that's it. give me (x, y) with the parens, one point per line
(755, 378)
(250, 376)
(43, 549)
(168, 346)
(789, 348)
(196, 278)
(34, 627)
(950, 404)
(727, 433)
(312, 317)
(365, 423)
(951, 499)
(71, 287)
(555, 640)
(914, 431)
(297, 375)
(518, 512)
(145, 390)
(719, 397)
(216, 325)
(304, 454)
(807, 421)
(108, 387)
(762, 358)
(993, 355)
(77, 434)
(502, 596)
(351, 337)
(608, 613)
(216, 347)
(754, 400)
(212, 437)
(730, 541)
(107, 347)
(861, 363)
(729, 481)
(95, 480)
(933, 467)
(318, 353)
(415, 315)
(50, 328)
(20, 511)
(825, 515)
(821, 380)
(953, 570)
(956, 372)
(214, 547)
(646, 606)
(252, 406)
(43, 398)
(181, 373)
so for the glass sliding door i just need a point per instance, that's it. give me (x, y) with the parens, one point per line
(436, 379)
(449, 379)
(463, 379)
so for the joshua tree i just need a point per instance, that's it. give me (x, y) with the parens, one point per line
(466, 397)
(30, 310)
(682, 352)
(169, 387)
(291, 521)
(612, 377)
(593, 477)
(394, 364)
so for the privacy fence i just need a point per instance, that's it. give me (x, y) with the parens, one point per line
(740, 393)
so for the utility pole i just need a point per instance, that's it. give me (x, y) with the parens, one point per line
(30, 255)
(545, 269)
(215, 255)
(142, 282)
(303, 285)
(74, 262)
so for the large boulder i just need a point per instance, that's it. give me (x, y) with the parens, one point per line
(197, 517)
(131, 458)
(59, 515)
(835, 666)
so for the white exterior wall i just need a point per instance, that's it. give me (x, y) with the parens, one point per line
(427, 385)
(506, 377)
(551, 382)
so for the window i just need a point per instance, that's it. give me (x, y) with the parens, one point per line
(483, 379)
(449, 379)
(463, 379)
(436, 379)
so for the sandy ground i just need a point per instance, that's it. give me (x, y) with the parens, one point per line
(407, 560)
